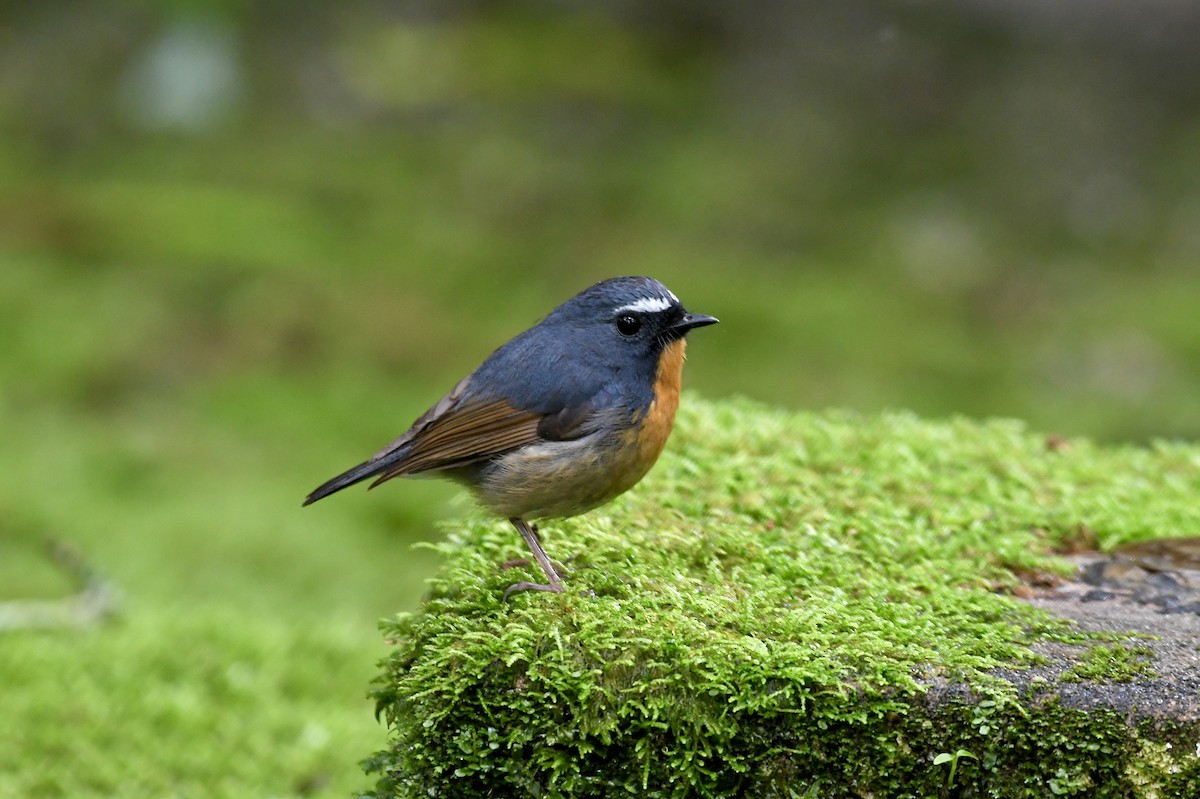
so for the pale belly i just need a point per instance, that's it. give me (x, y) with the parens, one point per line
(561, 478)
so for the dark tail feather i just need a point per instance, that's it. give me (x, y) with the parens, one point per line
(346, 479)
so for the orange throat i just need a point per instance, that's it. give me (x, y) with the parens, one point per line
(660, 416)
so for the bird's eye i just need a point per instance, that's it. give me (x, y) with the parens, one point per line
(628, 325)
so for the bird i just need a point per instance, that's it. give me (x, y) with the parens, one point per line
(561, 419)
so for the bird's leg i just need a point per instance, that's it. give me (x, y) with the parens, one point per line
(530, 534)
(515, 562)
(559, 569)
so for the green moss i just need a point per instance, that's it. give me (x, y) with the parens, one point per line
(1110, 663)
(766, 614)
(178, 701)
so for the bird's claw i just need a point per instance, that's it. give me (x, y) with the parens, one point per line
(523, 586)
(517, 563)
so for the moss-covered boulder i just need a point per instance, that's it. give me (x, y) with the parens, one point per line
(795, 605)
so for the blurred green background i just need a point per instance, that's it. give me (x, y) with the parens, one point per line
(243, 244)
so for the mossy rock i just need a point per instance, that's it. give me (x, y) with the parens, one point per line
(794, 605)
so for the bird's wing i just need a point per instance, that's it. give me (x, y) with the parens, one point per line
(472, 423)
(460, 429)
(463, 434)
(569, 422)
(466, 431)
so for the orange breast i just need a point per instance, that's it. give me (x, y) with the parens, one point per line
(564, 478)
(660, 416)
(647, 439)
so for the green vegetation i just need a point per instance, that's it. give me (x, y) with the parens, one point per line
(888, 207)
(1112, 662)
(766, 613)
(174, 701)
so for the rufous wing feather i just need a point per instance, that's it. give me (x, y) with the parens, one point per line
(461, 435)
(460, 430)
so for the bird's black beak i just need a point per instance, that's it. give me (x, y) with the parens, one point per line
(689, 321)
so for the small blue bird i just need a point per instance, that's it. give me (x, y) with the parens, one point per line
(561, 419)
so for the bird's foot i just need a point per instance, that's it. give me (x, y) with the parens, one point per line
(517, 563)
(555, 588)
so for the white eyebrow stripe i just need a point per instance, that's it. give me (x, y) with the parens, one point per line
(647, 305)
